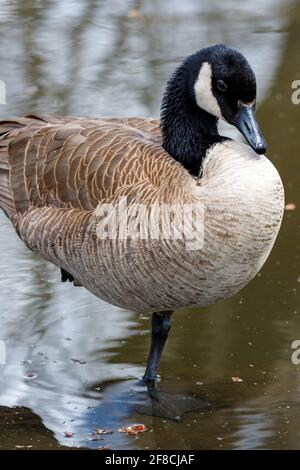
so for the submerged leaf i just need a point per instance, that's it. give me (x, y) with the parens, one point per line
(102, 431)
(290, 206)
(133, 429)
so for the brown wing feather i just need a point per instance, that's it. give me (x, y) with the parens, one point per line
(55, 171)
(77, 162)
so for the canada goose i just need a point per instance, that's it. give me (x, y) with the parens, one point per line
(56, 174)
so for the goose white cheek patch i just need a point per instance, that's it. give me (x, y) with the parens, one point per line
(203, 92)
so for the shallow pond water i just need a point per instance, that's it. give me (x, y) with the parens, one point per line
(74, 362)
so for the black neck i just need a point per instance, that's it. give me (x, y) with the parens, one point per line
(187, 130)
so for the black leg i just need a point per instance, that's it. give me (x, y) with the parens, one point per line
(161, 325)
(65, 276)
(166, 405)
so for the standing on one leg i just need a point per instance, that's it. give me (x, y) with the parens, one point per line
(161, 325)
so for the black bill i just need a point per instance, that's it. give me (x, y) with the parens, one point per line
(246, 123)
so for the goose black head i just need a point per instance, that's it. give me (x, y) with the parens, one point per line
(223, 84)
(215, 82)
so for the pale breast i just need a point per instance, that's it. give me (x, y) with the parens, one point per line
(243, 198)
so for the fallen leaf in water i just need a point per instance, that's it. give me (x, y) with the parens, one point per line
(133, 429)
(69, 434)
(290, 206)
(134, 13)
(102, 431)
(236, 379)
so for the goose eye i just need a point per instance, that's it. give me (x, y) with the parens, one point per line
(221, 85)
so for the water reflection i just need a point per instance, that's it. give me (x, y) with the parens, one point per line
(73, 360)
(59, 339)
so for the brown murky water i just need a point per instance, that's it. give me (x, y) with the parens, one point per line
(73, 362)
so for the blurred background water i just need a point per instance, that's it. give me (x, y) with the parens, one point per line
(73, 362)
